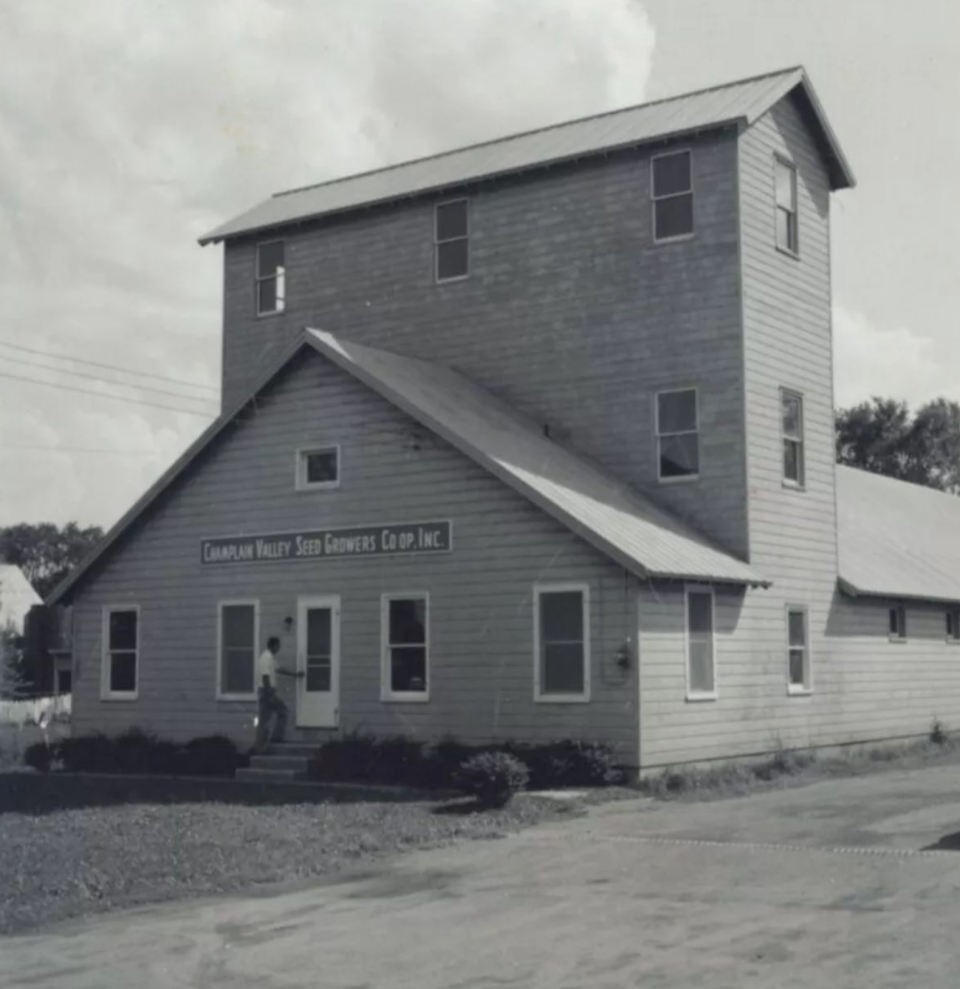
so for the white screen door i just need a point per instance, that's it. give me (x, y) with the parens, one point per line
(318, 658)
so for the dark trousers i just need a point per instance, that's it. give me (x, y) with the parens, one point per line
(270, 708)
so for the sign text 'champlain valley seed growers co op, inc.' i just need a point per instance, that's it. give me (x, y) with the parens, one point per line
(367, 540)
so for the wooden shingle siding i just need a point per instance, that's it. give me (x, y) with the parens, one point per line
(481, 613)
(570, 313)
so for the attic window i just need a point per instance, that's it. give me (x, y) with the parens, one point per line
(271, 278)
(318, 468)
(671, 190)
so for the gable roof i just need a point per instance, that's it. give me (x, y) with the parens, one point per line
(738, 103)
(17, 597)
(896, 539)
(617, 520)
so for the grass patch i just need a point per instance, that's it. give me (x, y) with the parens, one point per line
(788, 767)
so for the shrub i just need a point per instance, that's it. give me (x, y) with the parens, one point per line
(210, 755)
(938, 733)
(568, 763)
(40, 756)
(133, 751)
(493, 777)
(352, 757)
(397, 759)
(88, 754)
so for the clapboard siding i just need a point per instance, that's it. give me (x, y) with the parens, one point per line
(570, 313)
(481, 619)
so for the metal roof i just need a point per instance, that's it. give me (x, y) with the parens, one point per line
(620, 522)
(616, 519)
(741, 102)
(896, 539)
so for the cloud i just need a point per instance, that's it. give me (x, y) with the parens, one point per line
(896, 363)
(132, 128)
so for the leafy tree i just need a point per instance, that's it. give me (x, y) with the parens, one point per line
(881, 436)
(46, 553)
(12, 684)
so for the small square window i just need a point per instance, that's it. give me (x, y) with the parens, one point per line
(785, 182)
(678, 435)
(451, 240)
(271, 278)
(319, 468)
(671, 190)
(897, 622)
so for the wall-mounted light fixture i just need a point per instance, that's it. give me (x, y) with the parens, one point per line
(623, 655)
(288, 623)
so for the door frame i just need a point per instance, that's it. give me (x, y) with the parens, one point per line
(307, 602)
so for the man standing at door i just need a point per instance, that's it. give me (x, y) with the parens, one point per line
(269, 705)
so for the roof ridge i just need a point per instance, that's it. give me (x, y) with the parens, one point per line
(537, 130)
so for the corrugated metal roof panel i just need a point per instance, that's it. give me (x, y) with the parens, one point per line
(615, 518)
(745, 101)
(897, 539)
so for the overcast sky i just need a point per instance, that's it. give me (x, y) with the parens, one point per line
(129, 129)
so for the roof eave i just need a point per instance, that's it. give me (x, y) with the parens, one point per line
(841, 173)
(851, 590)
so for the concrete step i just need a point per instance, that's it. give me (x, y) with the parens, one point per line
(298, 763)
(253, 775)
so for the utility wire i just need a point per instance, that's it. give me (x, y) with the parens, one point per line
(30, 448)
(109, 367)
(119, 398)
(106, 381)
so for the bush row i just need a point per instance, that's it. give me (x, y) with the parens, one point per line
(408, 762)
(139, 752)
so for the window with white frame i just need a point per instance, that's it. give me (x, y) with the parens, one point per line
(121, 652)
(791, 418)
(671, 189)
(318, 468)
(406, 647)
(271, 278)
(953, 625)
(785, 182)
(237, 653)
(701, 644)
(798, 650)
(562, 642)
(897, 622)
(678, 435)
(452, 240)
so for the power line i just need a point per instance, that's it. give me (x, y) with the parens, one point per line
(106, 381)
(32, 448)
(109, 367)
(119, 398)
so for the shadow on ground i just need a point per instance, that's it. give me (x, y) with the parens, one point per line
(33, 793)
(948, 843)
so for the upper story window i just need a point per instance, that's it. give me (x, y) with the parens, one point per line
(791, 406)
(318, 468)
(678, 435)
(953, 625)
(671, 189)
(785, 181)
(121, 651)
(271, 278)
(897, 618)
(798, 651)
(451, 240)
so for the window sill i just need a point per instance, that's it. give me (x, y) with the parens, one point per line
(321, 486)
(405, 698)
(796, 691)
(113, 698)
(236, 698)
(699, 698)
(900, 640)
(686, 479)
(453, 278)
(272, 313)
(561, 698)
(790, 254)
(679, 239)
(793, 485)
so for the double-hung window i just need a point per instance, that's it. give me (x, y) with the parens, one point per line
(121, 653)
(237, 652)
(405, 639)
(701, 644)
(798, 651)
(791, 415)
(561, 617)
(271, 278)
(678, 435)
(953, 625)
(451, 240)
(671, 191)
(785, 183)
(897, 623)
